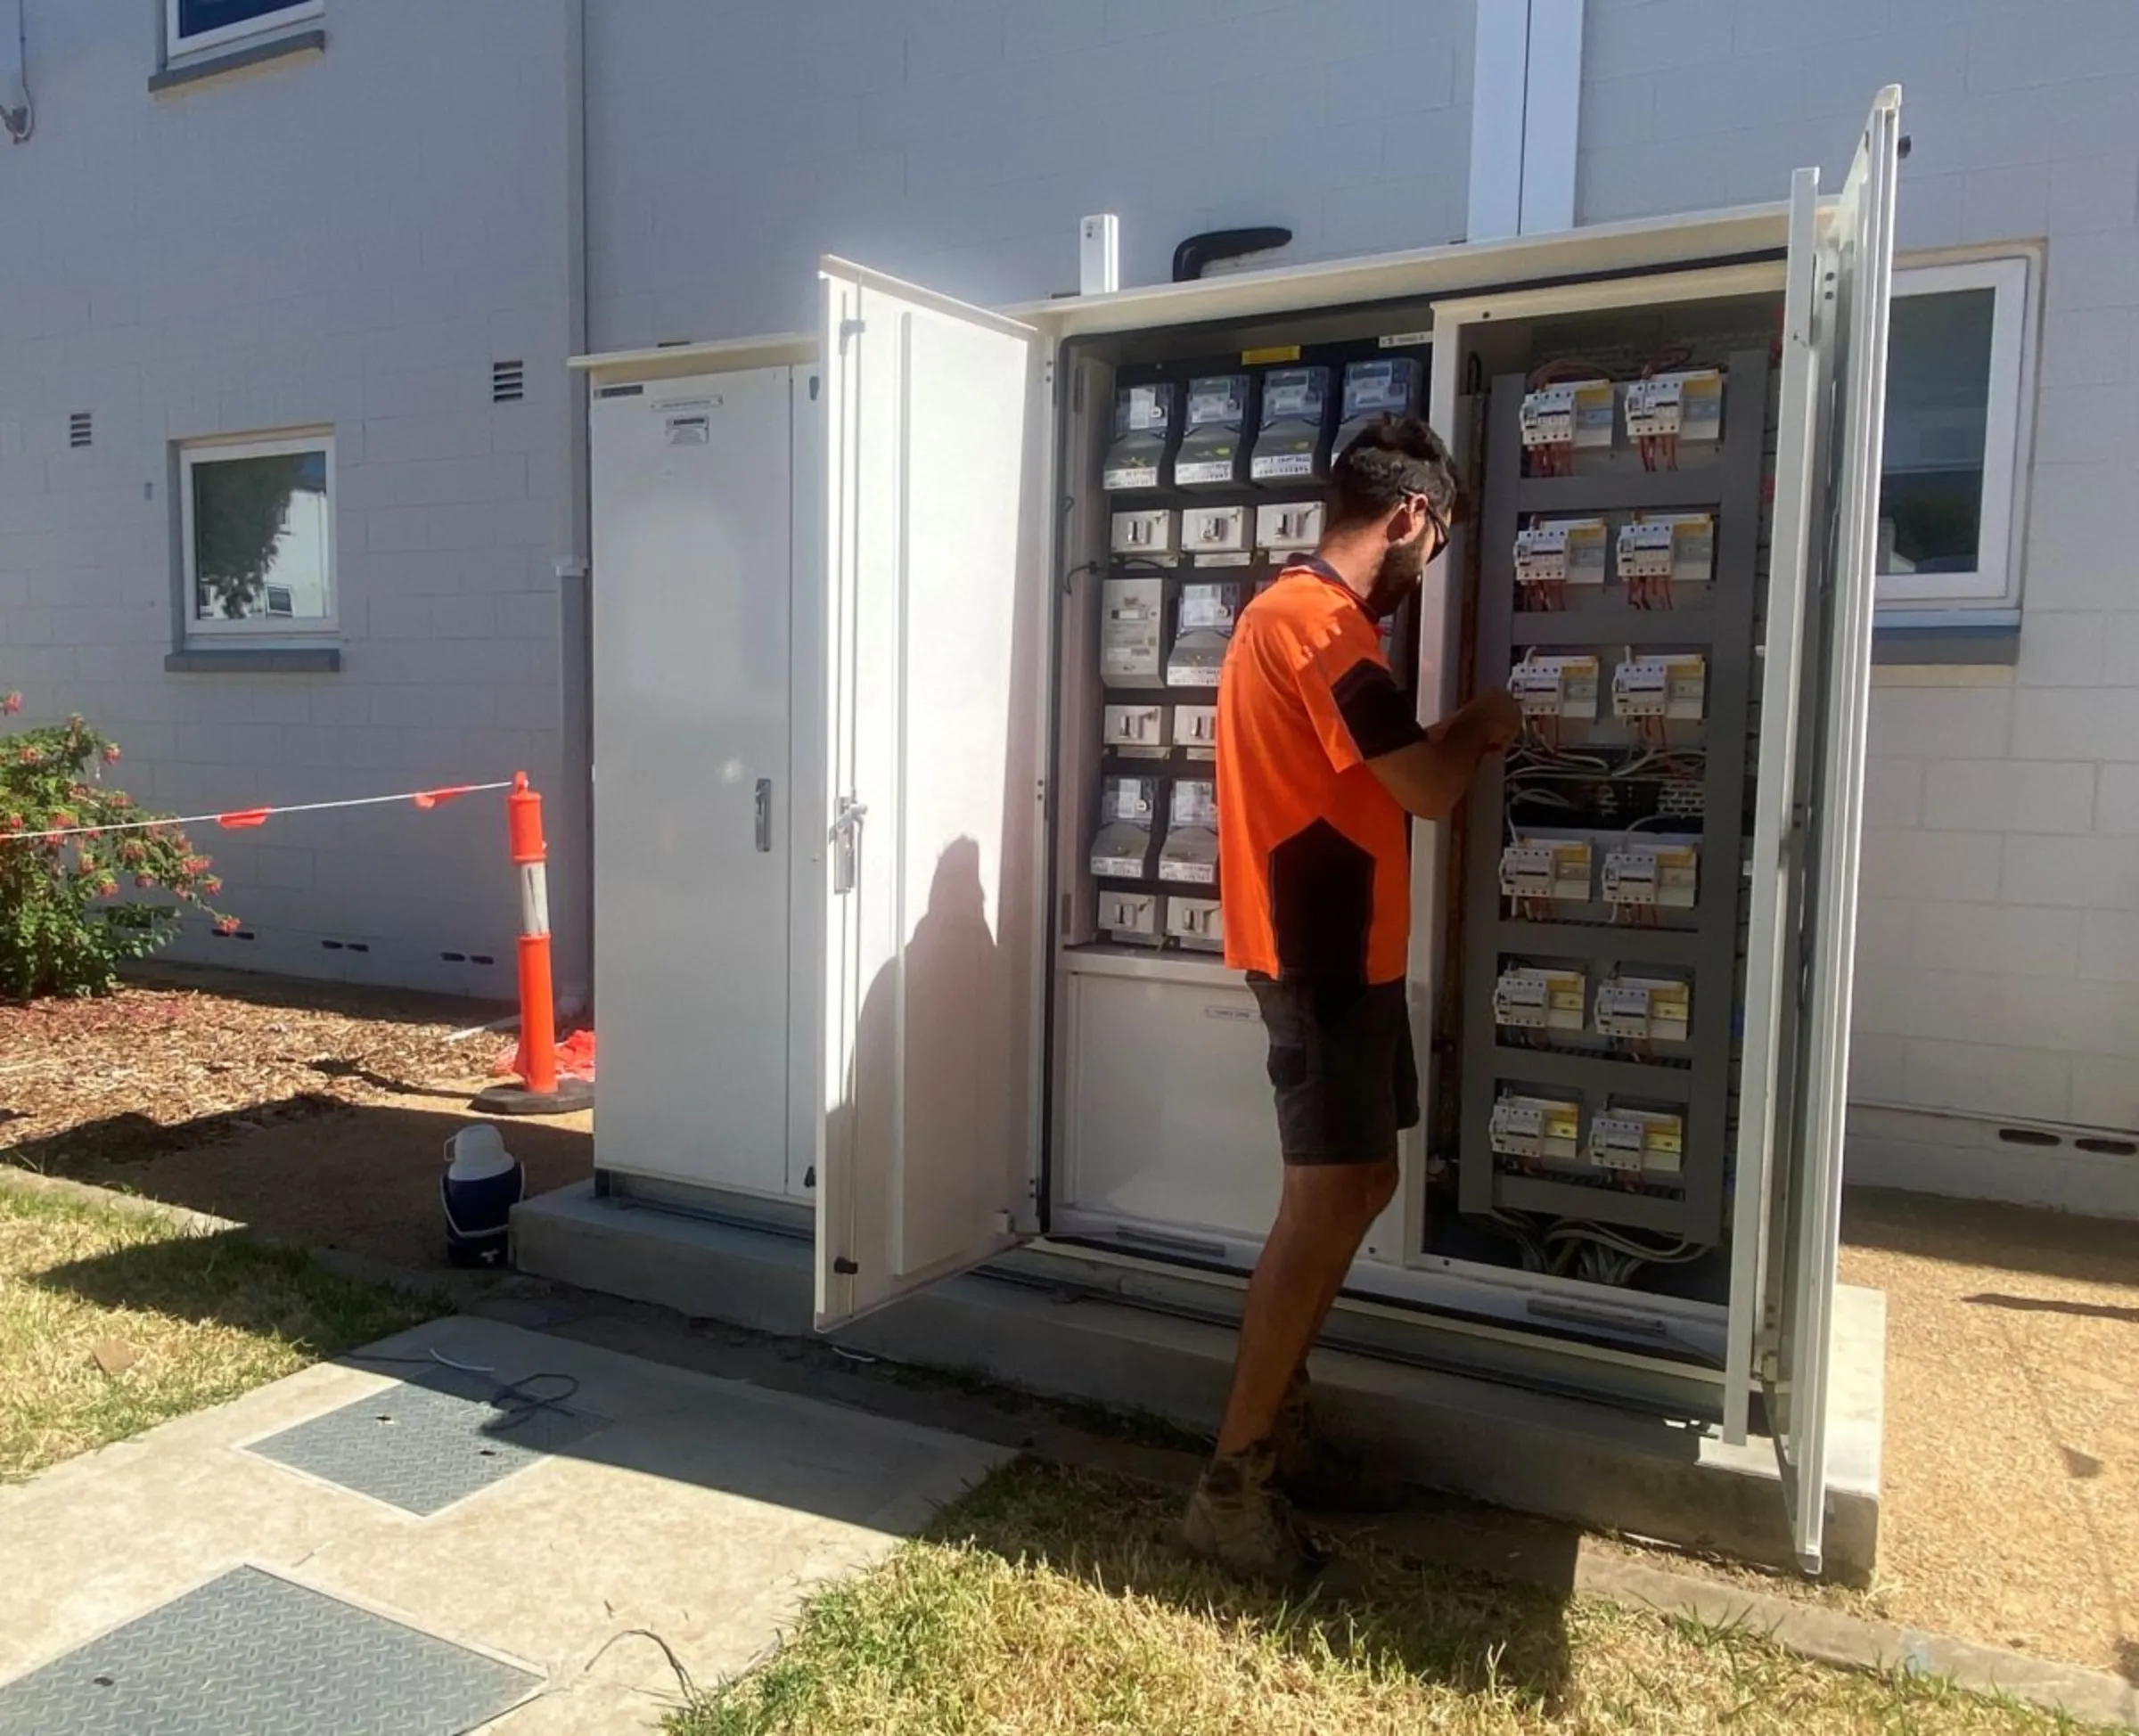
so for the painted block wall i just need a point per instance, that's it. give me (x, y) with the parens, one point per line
(956, 142)
(1998, 965)
(347, 240)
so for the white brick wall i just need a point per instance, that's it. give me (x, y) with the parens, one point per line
(1998, 965)
(349, 241)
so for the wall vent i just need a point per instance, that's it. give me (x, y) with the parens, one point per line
(508, 382)
(81, 429)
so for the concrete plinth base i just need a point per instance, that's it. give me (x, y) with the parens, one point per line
(1537, 1452)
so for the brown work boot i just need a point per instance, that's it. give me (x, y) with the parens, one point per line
(1321, 1475)
(1236, 1519)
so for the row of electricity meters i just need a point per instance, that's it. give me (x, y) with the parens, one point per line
(1276, 428)
(1561, 870)
(1548, 1130)
(1218, 536)
(1670, 685)
(1156, 828)
(1135, 649)
(1659, 414)
(1655, 553)
(1641, 1009)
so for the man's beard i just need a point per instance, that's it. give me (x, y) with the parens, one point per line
(1395, 579)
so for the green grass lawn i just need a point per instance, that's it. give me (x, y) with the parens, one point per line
(1050, 1603)
(184, 1320)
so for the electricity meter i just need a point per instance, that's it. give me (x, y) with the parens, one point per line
(1664, 876)
(1132, 632)
(1139, 731)
(1637, 1141)
(1143, 436)
(1216, 536)
(1549, 869)
(1536, 1129)
(1555, 686)
(1388, 387)
(1125, 843)
(1289, 526)
(1196, 730)
(1129, 916)
(1645, 1008)
(1208, 609)
(1196, 924)
(1214, 450)
(1532, 999)
(1672, 687)
(1191, 852)
(1148, 534)
(1293, 445)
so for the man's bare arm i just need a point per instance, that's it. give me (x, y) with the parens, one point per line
(1430, 777)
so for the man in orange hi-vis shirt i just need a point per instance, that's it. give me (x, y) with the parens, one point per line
(1320, 764)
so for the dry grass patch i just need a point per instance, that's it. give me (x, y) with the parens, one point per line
(111, 1322)
(1049, 1603)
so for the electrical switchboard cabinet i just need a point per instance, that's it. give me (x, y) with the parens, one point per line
(1630, 966)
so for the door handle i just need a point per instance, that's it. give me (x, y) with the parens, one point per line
(847, 843)
(765, 817)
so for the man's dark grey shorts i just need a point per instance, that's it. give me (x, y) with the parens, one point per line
(1342, 1066)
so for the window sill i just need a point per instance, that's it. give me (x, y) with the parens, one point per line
(1984, 637)
(221, 64)
(255, 660)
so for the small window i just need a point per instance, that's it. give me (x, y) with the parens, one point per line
(1957, 363)
(193, 26)
(257, 532)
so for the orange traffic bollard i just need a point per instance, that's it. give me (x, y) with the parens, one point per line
(541, 1090)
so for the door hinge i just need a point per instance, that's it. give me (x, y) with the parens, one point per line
(851, 328)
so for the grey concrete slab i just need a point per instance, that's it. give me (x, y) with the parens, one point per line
(1533, 1451)
(702, 1512)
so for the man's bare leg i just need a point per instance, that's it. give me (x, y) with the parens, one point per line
(1322, 1216)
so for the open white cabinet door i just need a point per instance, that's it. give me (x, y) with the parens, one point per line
(1850, 296)
(935, 613)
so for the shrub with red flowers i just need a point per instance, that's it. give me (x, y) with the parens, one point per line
(65, 923)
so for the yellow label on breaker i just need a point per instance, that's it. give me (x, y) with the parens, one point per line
(1256, 358)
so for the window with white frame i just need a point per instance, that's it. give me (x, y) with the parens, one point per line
(1959, 373)
(257, 528)
(193, 26)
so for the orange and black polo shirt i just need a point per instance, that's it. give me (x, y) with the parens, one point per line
(1314, 854)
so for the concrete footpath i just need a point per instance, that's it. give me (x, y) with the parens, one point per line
(614, 1499)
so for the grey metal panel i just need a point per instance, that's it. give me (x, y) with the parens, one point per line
(252, 1655)
(422, 1445)
(1643, 1211)
(1732, 486)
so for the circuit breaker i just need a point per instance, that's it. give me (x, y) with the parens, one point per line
(1149, 533)
(1196, 925)
(1214, 447)
(1146, 429)
(1142, 732)
(1288, 528)
(1216, 536)
(1299, 423)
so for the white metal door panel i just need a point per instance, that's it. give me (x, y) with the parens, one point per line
(1771, 940)
(691, 537)
(1168, 1118)
(1857, 275)
(936, 623)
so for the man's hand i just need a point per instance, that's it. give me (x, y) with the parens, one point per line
(1499, 718)
(1430, 777)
